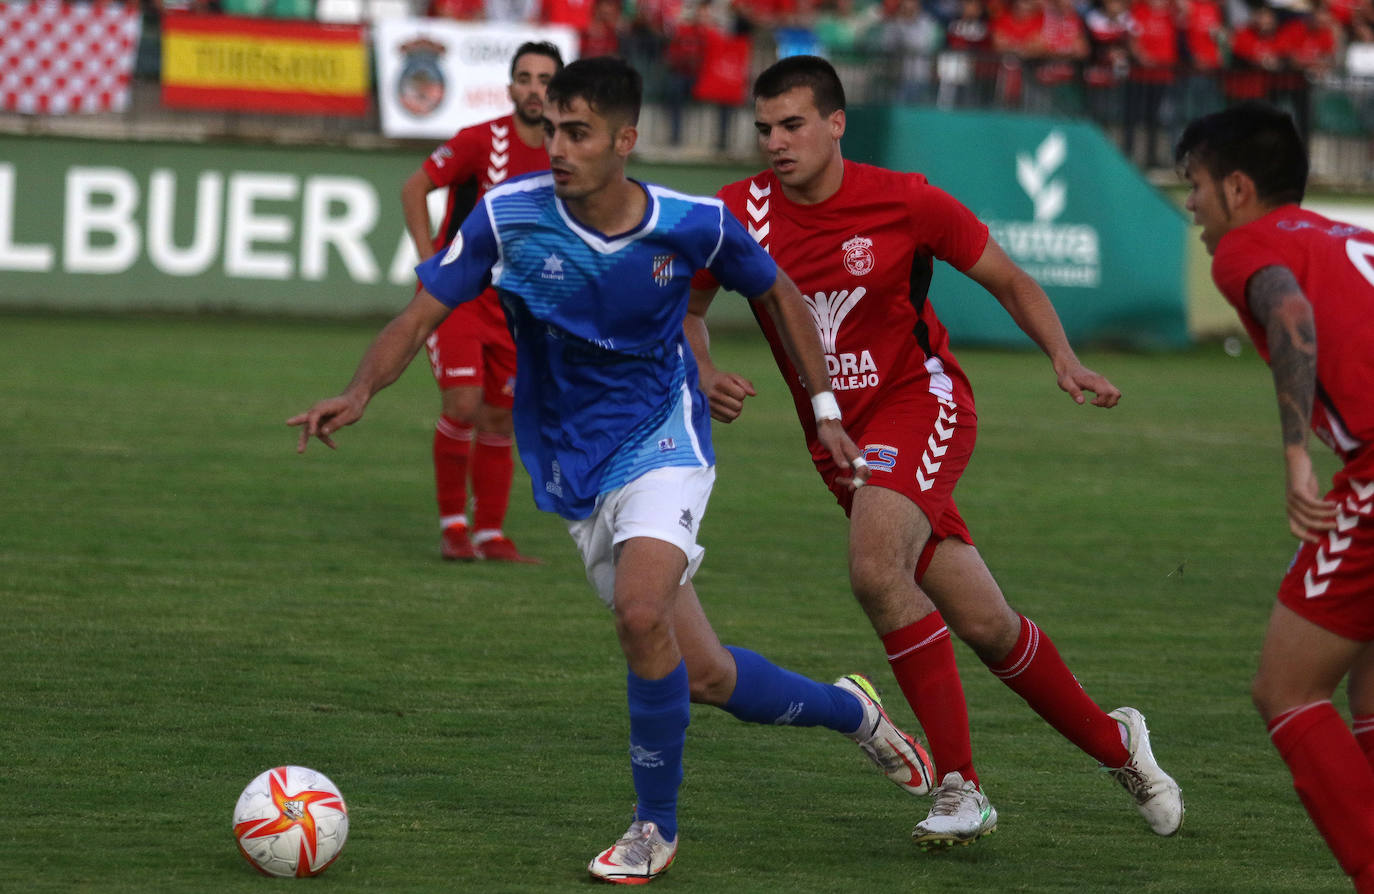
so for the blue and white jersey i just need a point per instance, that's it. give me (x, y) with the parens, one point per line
(606, 385)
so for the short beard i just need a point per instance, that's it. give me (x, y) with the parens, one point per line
(524, 119)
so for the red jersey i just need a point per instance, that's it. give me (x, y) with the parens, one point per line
(863, 259)
(473, 161)
(1333, 262)
(1156, 41)
(1203, 25)
(1017, 35)
(1307, 44)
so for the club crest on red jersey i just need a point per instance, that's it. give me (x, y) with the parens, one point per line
(858, 255)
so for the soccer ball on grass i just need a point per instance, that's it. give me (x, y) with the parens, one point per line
(291, 821)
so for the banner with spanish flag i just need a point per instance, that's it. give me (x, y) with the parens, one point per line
(262, 65)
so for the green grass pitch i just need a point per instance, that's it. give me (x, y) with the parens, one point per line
(187, 602)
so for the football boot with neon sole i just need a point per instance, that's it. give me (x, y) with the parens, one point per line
(960, 815)
(898, 755)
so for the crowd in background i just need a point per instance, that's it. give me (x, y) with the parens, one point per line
(1118, 61)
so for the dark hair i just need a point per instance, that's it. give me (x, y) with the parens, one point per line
(802, 71)
(608, 84)
(1254, 138)
(538, 48)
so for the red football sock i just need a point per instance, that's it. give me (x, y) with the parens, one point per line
(1034, 671)
(1364, 735)
(492, 470)
(1332, 778)
(452, 443)
(922, 660)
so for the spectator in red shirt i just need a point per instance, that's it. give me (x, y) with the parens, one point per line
(1109, 35)
(686, 48)
(1257, 54)
(573, 13)
(601, 37)
(1016, 35)
(1309, 45)
(765, 13)
(1204, 33)
(723, 79)
(1202, 24)
(1153, 46)
(1065, 42)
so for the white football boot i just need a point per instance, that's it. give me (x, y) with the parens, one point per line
(961, 815)
(1156, 795)
(640, 856)
(894, 752)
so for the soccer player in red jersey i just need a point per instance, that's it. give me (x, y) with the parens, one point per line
(471, 353)
(860, 241)
(1303, 286)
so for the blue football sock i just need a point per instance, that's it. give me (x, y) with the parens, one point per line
(659, 713)
(766, 693)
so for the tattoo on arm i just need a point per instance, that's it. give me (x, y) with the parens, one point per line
(1278, 303)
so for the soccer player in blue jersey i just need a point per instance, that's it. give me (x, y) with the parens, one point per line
(593, 271)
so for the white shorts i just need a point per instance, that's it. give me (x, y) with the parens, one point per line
(665, 504)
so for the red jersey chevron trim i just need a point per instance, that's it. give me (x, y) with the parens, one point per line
(1330, 580)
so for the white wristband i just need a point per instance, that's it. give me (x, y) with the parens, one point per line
(824, 405)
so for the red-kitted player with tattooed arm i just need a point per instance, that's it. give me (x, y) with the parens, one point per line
(1303, 285)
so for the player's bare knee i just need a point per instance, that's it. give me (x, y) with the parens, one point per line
(991, 634)
(709, 682)
(638, 621)
(1272, 694)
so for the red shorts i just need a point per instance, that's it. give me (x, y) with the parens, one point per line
(1331, 582)
(472, 348)
(918, 445)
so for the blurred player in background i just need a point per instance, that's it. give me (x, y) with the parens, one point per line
(593, 270)
(471, 354)
(860, 241)
(1303, 285)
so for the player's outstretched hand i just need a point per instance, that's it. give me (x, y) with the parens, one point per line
(325, 418)
(1078, 378)
(725, 392)
(842, 449)
(1308, 514)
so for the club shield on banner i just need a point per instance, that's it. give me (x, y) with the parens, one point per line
(435, 77)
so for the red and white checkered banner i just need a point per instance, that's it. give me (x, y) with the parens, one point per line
(58, 58)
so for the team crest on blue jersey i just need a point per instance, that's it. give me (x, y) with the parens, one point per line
(553, 267)
(666, 444)
(663, 269)
(858, 255)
